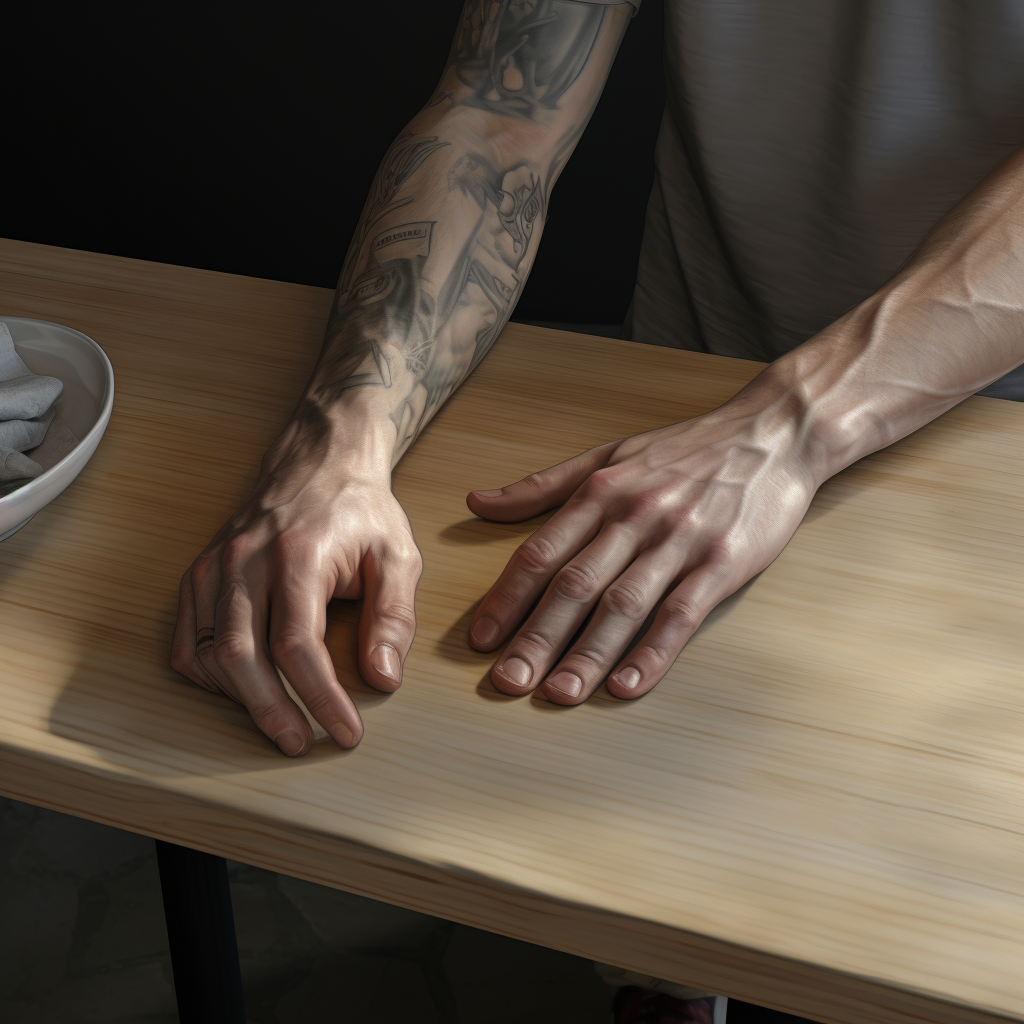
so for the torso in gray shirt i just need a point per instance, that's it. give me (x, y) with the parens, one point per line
(807, 148)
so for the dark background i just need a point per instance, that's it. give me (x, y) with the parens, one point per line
(247, 144)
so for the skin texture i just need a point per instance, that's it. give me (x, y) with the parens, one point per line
(689, 513)
(439, 257)
(671, 521)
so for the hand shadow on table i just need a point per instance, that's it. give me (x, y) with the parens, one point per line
(181, 729)
(474, 531)
(601, 697)
(455, 644)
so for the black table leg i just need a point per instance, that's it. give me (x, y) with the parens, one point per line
(201, 931)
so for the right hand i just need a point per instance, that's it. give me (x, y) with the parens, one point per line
(314, 528)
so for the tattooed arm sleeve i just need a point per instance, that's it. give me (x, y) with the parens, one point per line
(451, 226)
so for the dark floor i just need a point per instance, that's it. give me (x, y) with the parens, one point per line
(84, 942)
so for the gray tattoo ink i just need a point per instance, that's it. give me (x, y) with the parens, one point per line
(393, 323)
(520, 56)
(386, 301)
(401, 161)
(511, 203)
(388, 308)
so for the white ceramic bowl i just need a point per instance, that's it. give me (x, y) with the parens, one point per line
(84, 405)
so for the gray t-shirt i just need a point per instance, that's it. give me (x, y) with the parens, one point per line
(807, 148)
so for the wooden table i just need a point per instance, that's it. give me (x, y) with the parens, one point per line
(820, 810)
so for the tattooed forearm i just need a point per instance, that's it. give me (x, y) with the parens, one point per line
(518, 57)
(391, 312)
(400, 162)
(448, 234)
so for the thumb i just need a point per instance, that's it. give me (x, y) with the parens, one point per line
(541, 491)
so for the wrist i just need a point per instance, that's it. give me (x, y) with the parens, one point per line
(355, 441)
(835, 410)
(798, 411)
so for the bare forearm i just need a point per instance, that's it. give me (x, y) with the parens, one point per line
(948, 324)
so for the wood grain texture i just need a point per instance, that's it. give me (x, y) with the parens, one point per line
(821, 809)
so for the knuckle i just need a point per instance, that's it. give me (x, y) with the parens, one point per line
(409, 559)
(200, 571)
(586, 663)
(411, 554)
(319, 704)
(501, 605)
(532, 639)
(236, 552)
(232, 600)
(180, 663)
(720, 552)
(231, 649)
(536, 556)
(401, 615)
(649, 505)
(654, 659)
(686, 519)
(600, 483)
(576, 582)
(536, 481)
(682, 615)
(289, 546)
(287, 645)
(626, 599)
(264, 714)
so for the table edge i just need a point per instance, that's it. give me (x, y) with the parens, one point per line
(477, 900)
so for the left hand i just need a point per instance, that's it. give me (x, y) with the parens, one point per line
(687, 513)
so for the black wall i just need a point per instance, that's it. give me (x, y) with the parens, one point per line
(248, 144)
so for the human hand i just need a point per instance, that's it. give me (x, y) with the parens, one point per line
(688, 513)
(316, 527)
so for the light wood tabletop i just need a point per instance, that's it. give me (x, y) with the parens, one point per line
(821, 809)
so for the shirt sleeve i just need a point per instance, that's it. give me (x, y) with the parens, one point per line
(607, 3)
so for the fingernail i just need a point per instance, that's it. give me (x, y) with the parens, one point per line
(485, 632)
(290, 742)
(342, 735)
(384, 658)
(516, 671)
(565, 682)
(489, 494)
(627, 679)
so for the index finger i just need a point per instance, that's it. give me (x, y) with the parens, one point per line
(298, 621)
(531, 569)
(387, 624)
(239, 656)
